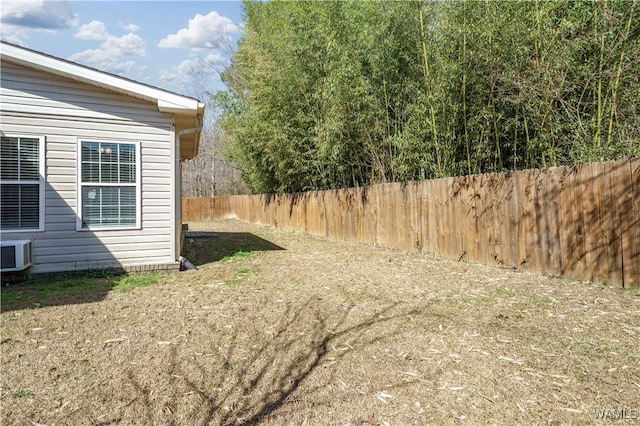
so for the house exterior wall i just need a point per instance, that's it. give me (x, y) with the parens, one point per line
(64, 112)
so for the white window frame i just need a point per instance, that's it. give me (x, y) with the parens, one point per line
(80, 185)
(40, 182)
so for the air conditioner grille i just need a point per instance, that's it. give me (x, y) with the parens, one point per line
(26, 253)
(8, 257)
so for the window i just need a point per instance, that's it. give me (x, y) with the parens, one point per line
(109, 194)
(21, 183)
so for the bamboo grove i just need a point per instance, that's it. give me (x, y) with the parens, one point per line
(349, 93)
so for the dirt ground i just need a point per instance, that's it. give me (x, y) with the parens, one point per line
(281, 328)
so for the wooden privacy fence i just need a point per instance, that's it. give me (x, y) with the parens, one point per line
(581, 221)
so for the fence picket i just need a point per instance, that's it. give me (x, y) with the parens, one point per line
(632, 257)
(625, 206)
(615, 245)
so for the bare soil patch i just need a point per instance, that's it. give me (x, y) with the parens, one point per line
(282, 328)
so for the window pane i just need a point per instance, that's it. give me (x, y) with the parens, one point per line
(90, 152)
(127, 163)
(110, 214)
(29, 206)
(128, 214)
(90, 205)
(91, 215)
(127, 173)
(90, 162)
(90, 172)
(128, 154)
(128, 195)
(109, 173)
(108, 205)
(10, 211)
(28, 163)
(20, 206)
(9, 158)
(108, 151)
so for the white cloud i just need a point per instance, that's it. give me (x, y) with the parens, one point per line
(94, 30)
(38, 14)
(128, 44)
(19, 17)
(103, 60)
(108, 56)
(131, 28)
(213, 63)
(180, 72)
(169, 75)
(211, 31)
(14, 38)
(217, 61)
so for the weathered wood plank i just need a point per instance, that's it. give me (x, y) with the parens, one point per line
(587, 212)
(512, 237)
(521, 217)
(567, 232)
(632, 259)
(615, 243)
(432, 230)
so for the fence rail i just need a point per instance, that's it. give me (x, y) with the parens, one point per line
(581, 221)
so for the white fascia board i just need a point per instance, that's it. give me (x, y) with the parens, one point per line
(165, 100)
(167, 106)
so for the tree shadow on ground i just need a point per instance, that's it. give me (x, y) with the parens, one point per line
(206, 247)
(245, 379)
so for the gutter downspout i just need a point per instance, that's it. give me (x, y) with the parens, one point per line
(186, 264)
(191, 130)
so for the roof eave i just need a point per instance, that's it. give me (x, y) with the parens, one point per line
(166, 101)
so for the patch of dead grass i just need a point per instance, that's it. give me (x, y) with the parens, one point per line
(325, 332)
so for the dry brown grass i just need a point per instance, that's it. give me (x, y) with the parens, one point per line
(324, 332)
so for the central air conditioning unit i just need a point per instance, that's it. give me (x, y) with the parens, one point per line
(16, 255)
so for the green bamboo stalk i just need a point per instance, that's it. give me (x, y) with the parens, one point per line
(527, 153)
(616, 84)
(515, 143)
(497, 137)
(388, 118)
(464, 84)
(597, 139)
(427, 81)
(386, 105)
(597, 136)
(536, 42)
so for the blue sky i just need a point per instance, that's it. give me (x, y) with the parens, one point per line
(169, 44)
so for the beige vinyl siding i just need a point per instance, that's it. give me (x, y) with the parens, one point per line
(38, 103)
